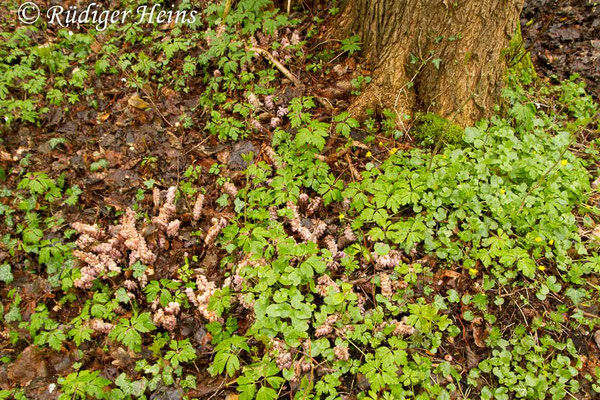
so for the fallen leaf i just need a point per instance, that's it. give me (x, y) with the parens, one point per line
(235, 158)
(102, 117)
(96, 47)
(596, 232)
(223, 157)
(479, 334)
(27, 367)
(136, 101)
(340, 69)
(122, 358)
(167, 92)
(362, 382)
(5, 156)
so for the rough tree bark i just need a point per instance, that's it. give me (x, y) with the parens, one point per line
(441, 56)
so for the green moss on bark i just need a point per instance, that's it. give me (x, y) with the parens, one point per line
(519, 61)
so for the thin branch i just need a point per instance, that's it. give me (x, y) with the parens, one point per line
(226, 10)
(277, 64)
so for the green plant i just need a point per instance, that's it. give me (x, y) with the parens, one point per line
(180, 352)
(359, 84)
(6, 275)
(82, 384)
(227, 354)
(128, 331)
(351, 44)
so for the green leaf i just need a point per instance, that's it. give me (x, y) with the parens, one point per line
(181, 351)
(56, 338)
(381, 248)
(6, 275)
(266, 393)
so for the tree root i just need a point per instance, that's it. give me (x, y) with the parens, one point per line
(370, 99)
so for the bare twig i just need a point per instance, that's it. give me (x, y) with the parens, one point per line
(277, 64)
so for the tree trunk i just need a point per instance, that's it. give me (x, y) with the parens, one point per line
(439, 56)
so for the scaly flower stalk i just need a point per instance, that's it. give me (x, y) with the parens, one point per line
(198, 205)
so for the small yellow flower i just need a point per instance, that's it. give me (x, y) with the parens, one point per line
(538, 239)
(502, 191)
(473, 271)
(369, 154)
(551, 242)
(381, 143)
(563, 162)
(542, 268)
(393, 151)
(341, 216)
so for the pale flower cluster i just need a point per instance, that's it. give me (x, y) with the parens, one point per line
(282, 353)
(205, 290)
(390, 260)
(214, 230)
(167, 317)
(198, 206)
(327, 327)
(102, 253)
(319, 227)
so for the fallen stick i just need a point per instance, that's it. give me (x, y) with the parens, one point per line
(277, 64)
(353, 170)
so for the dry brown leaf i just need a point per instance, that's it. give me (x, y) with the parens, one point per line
(448, 273)
(136, 101)
(479, 335)
(167, 92)
(29, 366)
(5, 156)
(223, 157)
(102, 117)
(596, 232)
(340, 69)
(122, 358)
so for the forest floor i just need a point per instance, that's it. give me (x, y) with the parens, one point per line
(180, 220)
(563, 38)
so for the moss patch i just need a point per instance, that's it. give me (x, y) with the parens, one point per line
(430, 128)
(519, 60)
